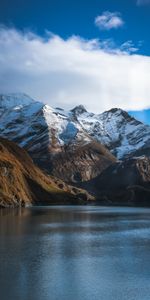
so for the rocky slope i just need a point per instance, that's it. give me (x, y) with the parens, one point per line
(22, 183)
(81, 163)
(123, 183)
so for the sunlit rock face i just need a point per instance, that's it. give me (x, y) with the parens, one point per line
(22, 183)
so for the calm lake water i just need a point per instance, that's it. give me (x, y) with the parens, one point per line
(74, 253)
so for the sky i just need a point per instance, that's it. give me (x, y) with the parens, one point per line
(66, 53)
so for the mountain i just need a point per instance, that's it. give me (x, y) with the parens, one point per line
(53, 137)
(22, 183)
(74, 145)
(141, 115)
(122, 134)
(123, 183)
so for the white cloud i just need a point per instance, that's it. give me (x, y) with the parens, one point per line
(143, 2)
(129, 47)
(109, 20)
(69, 72)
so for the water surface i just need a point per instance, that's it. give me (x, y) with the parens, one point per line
(74, 253)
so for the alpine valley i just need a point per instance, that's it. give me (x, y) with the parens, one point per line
(106, 154)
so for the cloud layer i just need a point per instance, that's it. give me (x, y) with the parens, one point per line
(109, 20)
(69, 72)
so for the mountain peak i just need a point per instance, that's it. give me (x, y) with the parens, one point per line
(120, 112)
(14, 99)
(78, 110)
(116, 110)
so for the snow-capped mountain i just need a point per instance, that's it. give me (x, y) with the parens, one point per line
(55, 139)
(34, 125)
(116, 129)
(44, 131)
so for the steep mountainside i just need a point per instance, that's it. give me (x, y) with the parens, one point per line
(82, 163)
(126, 182)
(22, 183)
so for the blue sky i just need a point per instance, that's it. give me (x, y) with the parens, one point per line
(94, 52)
(141, 115)
(65, 17)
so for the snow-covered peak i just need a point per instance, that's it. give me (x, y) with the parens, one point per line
(117, 130)
(120, 114)
(15, 100)
(78, 110)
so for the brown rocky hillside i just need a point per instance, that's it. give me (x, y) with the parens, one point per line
(22, 183)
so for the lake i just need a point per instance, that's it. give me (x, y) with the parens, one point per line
(75, 253)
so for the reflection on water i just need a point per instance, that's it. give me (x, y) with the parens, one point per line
(91, 253)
